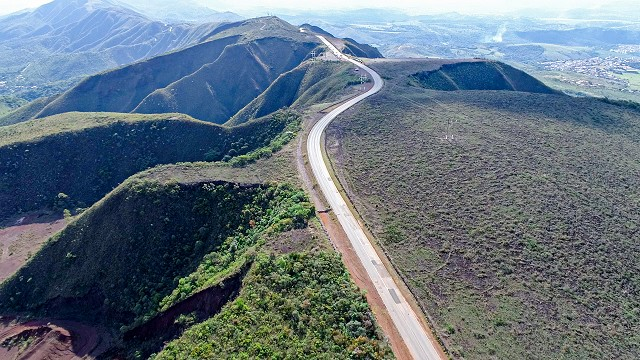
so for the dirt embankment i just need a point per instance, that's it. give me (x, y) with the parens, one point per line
(50, 339)
(203, 305)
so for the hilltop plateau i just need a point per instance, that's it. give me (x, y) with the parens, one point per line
(502, 210)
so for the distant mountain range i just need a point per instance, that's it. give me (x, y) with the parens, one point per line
(213, 80)
(43, 51)
(180, 11)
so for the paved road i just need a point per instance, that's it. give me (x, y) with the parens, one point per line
(403, 316)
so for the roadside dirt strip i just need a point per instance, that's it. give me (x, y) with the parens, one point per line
(407, 322)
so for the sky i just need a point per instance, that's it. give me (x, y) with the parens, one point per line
(250, 7)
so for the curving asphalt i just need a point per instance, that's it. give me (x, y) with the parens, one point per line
(405, 319)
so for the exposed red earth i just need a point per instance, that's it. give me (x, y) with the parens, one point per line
(22, 236)
(50, 339)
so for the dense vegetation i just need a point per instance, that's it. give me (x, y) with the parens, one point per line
(148, 245)
(513, 217)
(85, 155)
(479, 75)
(293, 306)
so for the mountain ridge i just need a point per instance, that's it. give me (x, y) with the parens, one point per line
(46, 50)
(218, 76)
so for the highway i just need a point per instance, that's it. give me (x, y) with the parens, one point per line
(405, 319)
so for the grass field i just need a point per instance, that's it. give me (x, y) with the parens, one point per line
(9, 103)
(513, 217)
(634, 80)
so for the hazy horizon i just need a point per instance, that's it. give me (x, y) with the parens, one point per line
(255, 7)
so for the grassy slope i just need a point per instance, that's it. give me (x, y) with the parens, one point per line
(9, 103)
(168, 210)
(220, 89)
(215, 79)
(86, 155)
(479, 75)
(123, 89)
(25, 112)
(124, 255)
(307, 84)
(519, 236)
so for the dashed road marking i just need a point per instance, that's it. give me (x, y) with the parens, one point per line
(394, 296)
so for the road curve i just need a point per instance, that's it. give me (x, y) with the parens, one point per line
(405, 319)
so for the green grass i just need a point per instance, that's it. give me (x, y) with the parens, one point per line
(634, 80)
(10, 103)
(291, 306)
(76, 122)
(517, 235)
(310, 83)
(479, 75)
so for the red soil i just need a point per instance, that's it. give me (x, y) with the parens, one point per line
(50, 339)
(22, 236)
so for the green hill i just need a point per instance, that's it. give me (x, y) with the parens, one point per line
(512, 216)
(124, 255)
(86, 155)
(479, 75)
(215, 79)
(26, 112)
(308, 84)
(193, 258)
(352, 47)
